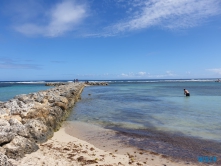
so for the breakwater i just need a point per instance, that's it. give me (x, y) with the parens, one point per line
(96, 83)
(86, 83)
(30, 119)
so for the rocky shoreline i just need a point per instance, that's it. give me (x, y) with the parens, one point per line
(30, 119)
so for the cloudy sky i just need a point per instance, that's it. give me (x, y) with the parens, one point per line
(109, 39)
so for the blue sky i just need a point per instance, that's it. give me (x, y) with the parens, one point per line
(109, 39)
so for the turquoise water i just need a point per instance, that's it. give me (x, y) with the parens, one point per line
(8, 90)
(144, 104)
(156, 104)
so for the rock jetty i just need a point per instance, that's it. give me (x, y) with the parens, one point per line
(65, 83)
(55, 83)
(30, 119)
(96, 83)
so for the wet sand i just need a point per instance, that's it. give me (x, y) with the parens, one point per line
(175, 145)
(160, 147)
(78, 143)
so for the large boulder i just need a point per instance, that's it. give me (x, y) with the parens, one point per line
(6, 137)
(56, 116)
(18, 128)
(17, 107)
(19, 146)
(5, 132)
(38, 130)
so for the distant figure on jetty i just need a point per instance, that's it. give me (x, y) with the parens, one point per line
(75, 80)
(186, 92)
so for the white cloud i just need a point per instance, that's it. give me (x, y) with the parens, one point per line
(168, 13)
(166, 75)
(131, 74)
(63, 17)
(148, 75)
(7, 63)
(126, 75)
(169, 73)
(31, 29)
(216, 71)
(134, 15)
(141, 73)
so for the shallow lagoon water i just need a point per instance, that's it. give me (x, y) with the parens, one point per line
(159, 105)
(156, 116)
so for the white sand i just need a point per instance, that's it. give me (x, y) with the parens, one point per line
(66, 150)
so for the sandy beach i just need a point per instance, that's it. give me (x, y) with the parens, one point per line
(65, 150)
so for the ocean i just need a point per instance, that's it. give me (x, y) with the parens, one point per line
(156, 115)
(9, 89)
(150, 114)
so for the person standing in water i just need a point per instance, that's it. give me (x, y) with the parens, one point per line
(186, 92)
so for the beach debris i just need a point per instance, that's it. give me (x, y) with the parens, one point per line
(91, 149)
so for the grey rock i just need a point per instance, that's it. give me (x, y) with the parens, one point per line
(5, 132)
(4, 125)
(20, 146)
(1, 103)
(12, 105)
(39, 97)
(55, 83)
(38, 130)
(4, 122)
(18, 107)
(6, 137)
(21, 97)
(18, 128)
(97, 83)
(2, 150)
(63, 106)
(4, 160)
(56, 116)
(3, 112)
(38, 110)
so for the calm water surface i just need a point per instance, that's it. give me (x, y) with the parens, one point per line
(160, 105)
(155, 115)
(8, 90)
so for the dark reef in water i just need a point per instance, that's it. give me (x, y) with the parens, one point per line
(174, 145)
